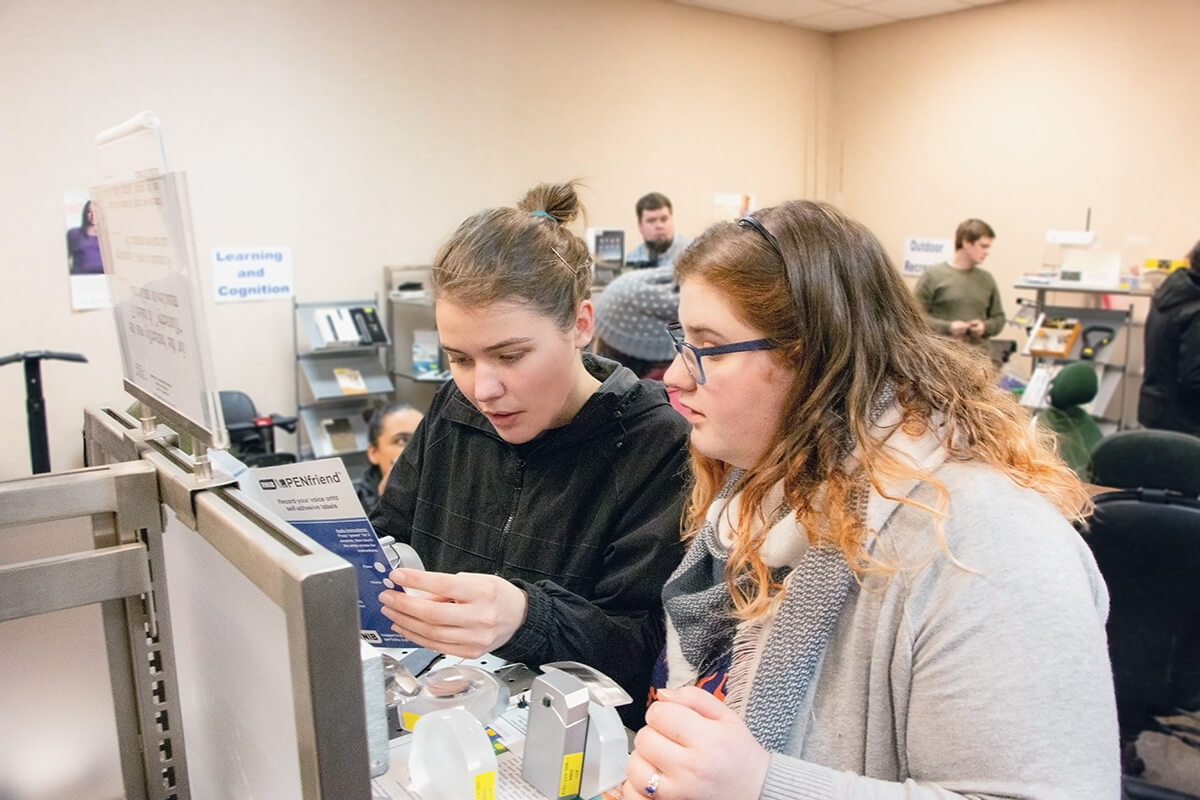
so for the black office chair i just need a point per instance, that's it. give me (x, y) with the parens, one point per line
(1137, 789)
(1147, 545)
(251, 436)
(1148, 459)
(1001, 350)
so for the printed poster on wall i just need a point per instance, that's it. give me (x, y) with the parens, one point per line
(85, 264)
(732, 205)
(921, 252)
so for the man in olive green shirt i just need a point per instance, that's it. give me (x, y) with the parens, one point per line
(960, 298)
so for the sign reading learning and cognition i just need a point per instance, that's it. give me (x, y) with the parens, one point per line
(242, 274)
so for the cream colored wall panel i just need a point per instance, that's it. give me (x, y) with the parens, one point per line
(360, 134)
(1026, 114)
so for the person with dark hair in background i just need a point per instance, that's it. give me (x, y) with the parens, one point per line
(83, 245)
(661, 246)
(545, 487)
(960, 298)
(1170, 394)
(884, 596)
(388, 431)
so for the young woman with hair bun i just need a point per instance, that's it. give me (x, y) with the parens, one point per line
(544, 490)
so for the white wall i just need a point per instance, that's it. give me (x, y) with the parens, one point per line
(1025, 114)
(360, 133)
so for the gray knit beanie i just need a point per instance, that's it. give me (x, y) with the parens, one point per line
(633, 311)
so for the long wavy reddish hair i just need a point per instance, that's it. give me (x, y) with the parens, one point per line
(847, 326)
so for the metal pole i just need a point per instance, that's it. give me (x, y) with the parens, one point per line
(35, 412)
(35, 401)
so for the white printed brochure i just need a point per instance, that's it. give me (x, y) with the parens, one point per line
(318, 498)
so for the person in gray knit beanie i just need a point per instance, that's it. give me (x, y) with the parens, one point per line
(632, 314)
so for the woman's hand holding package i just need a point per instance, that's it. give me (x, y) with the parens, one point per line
(466, 614)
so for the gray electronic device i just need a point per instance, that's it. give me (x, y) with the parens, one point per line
(557, 735)
(606, 751)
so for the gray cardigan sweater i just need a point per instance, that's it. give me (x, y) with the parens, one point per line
(987, 684)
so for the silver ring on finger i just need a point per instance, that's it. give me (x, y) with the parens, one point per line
(652, 784)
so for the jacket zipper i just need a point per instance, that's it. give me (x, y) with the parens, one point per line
(516, 502)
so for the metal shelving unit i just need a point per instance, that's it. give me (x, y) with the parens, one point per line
(1111, 361)
(418, 364)
(335, 382)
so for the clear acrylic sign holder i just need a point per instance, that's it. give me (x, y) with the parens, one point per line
(144, 222)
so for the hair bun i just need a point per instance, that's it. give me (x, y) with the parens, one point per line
(559, 201)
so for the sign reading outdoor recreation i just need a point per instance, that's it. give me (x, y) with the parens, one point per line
(921, 252)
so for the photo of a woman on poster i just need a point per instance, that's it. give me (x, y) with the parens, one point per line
(84, 246)
(85, 265)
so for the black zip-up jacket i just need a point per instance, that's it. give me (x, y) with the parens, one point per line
(1170, 396)
(585, 519)
(367, 487)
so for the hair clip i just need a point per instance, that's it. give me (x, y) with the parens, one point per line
(566, 263)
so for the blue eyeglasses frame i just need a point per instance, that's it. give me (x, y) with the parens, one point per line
(692, 355)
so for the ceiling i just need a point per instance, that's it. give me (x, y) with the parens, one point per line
(837, 15)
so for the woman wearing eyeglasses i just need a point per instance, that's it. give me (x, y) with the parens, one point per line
(388, 431)
(883, 595)
(545, 488)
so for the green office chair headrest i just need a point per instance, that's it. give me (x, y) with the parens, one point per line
(1074, 385)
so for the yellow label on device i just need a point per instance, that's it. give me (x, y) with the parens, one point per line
(410, 720)
(572, 774)
(485, 785)
(1166, 264)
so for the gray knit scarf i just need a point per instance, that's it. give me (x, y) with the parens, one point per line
(699, 609)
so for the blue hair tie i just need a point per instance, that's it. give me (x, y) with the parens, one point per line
(546, 214)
